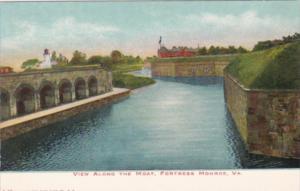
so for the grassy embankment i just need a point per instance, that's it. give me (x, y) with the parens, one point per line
(275, 68)
(122, 79)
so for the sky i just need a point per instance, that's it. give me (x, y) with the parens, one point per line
(97, 28)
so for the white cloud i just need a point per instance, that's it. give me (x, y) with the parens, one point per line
(65, 35)
(246, 28)
(65, 32)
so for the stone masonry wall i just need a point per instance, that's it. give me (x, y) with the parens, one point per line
(9, 83)
(189, 69)
(21, 128)
(236, 100)
(274, 123)
(269, 120)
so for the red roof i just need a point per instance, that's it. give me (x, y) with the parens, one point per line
(5, 69)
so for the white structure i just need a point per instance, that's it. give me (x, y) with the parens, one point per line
(47, 60)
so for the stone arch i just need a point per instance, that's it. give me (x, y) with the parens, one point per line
(47, 94)
(25, 99)
(65, 91)
(93, 85)
(4, 104)
(80, 88)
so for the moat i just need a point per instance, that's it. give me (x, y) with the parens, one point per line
(177, 123)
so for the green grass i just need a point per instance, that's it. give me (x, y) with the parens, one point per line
(123, 80)
(275, 68)
(123, 68)
(130, 81)
(194, 59)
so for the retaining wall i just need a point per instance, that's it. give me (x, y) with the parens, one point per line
(20, 125)
(268, 120)
(188, 69)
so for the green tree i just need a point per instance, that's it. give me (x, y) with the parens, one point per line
(241, 50)
(95, 60)
(104, 62)
(211, 50)
(232, 50)
(62, 60)
(30, 64)
(53, 56)
(202, 51)
(116, 56)
(78, 58)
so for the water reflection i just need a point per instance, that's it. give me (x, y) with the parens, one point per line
(204, 81)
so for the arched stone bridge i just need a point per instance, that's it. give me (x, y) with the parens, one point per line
(28, 92)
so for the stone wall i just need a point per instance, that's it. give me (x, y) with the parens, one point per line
(188, 69)
(41, 120)
(269, 120)
(236, 100)
(11, 83)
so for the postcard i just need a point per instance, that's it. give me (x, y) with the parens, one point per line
(150, 95)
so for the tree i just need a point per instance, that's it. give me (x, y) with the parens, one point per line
(232, 50)
(116, 56)
(95, 60)
(53, 56)
(62, 60)
(202, 51)
(78, 58)
(211, 50)
(30, 64)
(242, 50)
(104, 62)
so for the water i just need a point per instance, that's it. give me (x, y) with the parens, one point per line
(178, 123)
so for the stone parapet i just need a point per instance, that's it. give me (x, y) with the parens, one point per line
(188, 69)
(268, 120)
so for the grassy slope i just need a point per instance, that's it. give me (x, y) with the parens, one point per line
(123, 80)
(275, 68)
(194, 59)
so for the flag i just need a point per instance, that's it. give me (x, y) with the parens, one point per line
(159, 42)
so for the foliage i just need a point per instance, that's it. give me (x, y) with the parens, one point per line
(78, 58)
(60, 59)
(116, 56)
(275, 68)
(262, 45)
(212, 50)
(30, 64)
(123, 80)
(103, 61)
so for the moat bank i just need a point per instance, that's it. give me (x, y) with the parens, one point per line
(177, 123)
(268, 120)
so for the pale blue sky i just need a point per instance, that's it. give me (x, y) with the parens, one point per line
(134, 27)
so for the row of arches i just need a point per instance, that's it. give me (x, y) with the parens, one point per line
(26, 96)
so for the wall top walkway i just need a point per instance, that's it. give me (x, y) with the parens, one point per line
(54, 70)
(261, 90)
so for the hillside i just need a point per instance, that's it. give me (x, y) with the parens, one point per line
(275, 68)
